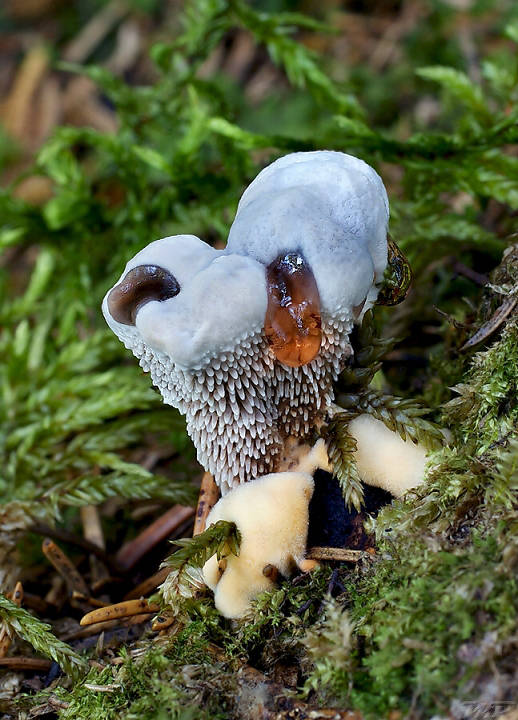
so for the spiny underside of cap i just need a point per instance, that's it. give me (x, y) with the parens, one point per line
(243, 405)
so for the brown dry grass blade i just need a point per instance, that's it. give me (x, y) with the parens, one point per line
(488, 328)
(25, 663)
(133, 551)
(338, 554)
(119, 610)
(65, 567)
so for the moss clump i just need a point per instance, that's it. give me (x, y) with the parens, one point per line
(148, 685)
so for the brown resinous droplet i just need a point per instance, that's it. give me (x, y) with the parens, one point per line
(139, 286)
(292, 323)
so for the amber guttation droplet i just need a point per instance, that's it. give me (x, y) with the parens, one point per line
(292, 324)
(139, 286)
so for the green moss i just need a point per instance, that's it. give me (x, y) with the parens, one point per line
(146, 686)
(416, 612)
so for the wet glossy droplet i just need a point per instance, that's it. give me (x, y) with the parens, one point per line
(292, 324)
(139, 286)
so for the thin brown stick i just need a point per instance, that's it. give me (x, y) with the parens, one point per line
(57, 594)
(93, 532)
(92, 528)
(148, 585)
(5, 638)
(338, 554)
(25, 663)
(68, 537)
(133, 551)
(89, 630)
(100, 627)
(18, 106)
(208, 497)
(95, 30)
(65, 567)
(488, 328)
(119, 610)
(88, 600)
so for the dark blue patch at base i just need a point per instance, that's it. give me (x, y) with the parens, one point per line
(331, 523)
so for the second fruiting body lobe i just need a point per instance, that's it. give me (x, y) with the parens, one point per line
(292, 324)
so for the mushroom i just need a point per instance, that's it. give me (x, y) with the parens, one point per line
(247, 341)
(384, 459)
(272, 516)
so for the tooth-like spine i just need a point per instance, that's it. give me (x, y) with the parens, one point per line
(241, 404)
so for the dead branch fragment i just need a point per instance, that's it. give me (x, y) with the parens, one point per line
(95, 30)
(25, 663)
(148, 585)
(94, 602)
(69, 537)
(488, 328)
(338, 554)
(133, 551)
(93, 532)
(65, 567)
(17, 108)
(89, 630)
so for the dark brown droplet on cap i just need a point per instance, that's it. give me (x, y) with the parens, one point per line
(292, 324)
(139, 286)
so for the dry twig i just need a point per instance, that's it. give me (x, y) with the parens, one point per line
(133, 551)
(119, 610)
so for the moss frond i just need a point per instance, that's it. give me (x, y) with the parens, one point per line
(185, 579)
(341, 447)
(18, 621)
